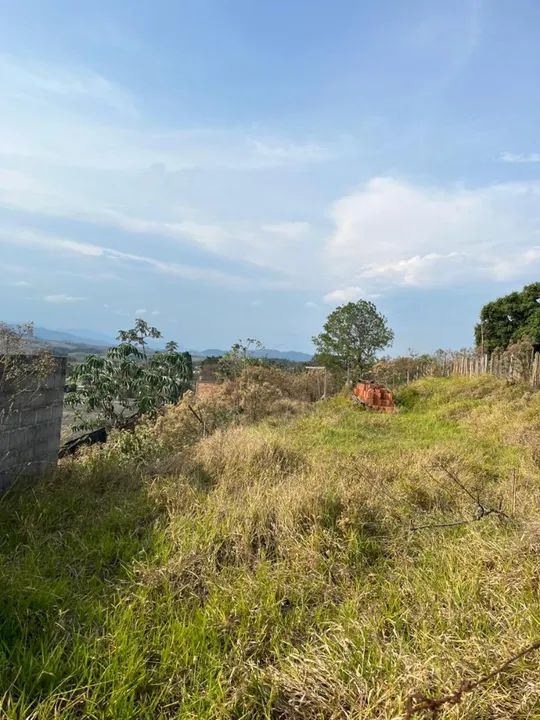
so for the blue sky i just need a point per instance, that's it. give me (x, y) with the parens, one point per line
(228, 168)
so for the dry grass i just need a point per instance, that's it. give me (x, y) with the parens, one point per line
(271, 571)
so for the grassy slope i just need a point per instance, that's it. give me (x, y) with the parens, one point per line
(271, 572)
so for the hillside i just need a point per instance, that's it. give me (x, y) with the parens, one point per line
(78, 343)
(270, 353)
(332, 563)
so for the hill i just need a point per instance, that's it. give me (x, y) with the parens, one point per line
(330, 564)
(291, 355)
(73, 337)
(81, 341)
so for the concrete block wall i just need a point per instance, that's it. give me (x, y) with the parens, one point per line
(30, 423)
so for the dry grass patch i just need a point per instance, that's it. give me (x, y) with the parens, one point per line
(278, 571)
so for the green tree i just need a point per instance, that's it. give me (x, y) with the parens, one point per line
(351, 337)
(239, 356)
(139, 334)
(510, 319)
(128, 381)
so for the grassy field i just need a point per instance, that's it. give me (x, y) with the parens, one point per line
(300, 568)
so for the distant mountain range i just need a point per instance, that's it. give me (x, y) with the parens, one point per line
(293, 355)
(73, 337)
(89, 340)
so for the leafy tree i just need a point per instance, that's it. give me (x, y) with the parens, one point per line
(510, 319)
(239, 356)
(351, 337)
(129, 381)
(139, 334)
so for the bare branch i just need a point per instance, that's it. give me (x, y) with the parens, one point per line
(199, 418)
(422, 703)
(457, 481)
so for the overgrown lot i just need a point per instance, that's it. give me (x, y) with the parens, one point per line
(308, 566)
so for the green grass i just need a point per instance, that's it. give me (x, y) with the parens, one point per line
(271, 571)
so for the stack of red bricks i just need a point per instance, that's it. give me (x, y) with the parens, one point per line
(374, 396)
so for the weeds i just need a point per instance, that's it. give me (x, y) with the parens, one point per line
(268, 571)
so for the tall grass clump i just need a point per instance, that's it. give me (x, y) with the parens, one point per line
(331, 564)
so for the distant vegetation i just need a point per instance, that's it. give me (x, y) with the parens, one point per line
(231, 364)
(509, 320)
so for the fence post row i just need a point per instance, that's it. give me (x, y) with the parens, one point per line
(520, 363)
(507, 365)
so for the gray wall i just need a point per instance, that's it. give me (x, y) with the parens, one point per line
(30, 423)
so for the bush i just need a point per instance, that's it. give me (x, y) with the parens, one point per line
(259, 392)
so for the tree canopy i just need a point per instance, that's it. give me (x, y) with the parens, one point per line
(351, 337)
(238, 357)
(510, 319)
(128, 380)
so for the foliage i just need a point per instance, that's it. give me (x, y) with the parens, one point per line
(16, 342)
(139, 334)
(403, 369)
(510, 319)
(262, 390)
(128, 381)
(259, 392)
(239, 356)
(272, 572)
(352, 335)
(516, 363)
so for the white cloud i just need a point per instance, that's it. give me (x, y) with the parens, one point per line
(279, 152)
(509, 157)
(144, 311)
(29, 238)
(292, 229)
(59, 299)
(238, 240)
(348, 294)
(310, 305)
(415, 270)
(345, 295)
(34, 80)
(189, 272)
(391, 233)
(232, 240)
(70, 157)
(76, 118)
(208, 235)
(19, 283)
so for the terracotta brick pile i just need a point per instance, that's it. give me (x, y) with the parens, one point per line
(374, 396)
